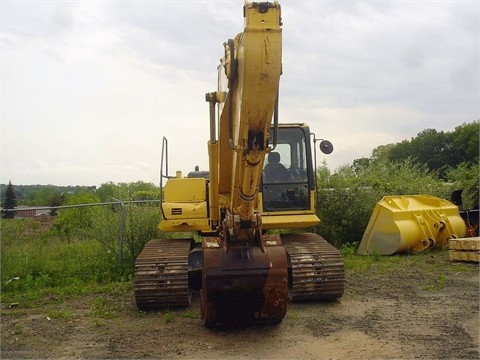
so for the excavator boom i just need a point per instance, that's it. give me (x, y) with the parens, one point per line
(245, 274)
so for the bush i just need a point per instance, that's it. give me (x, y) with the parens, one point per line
(140, 224)
(35, 259)
(79, 250)
(466, 177)
(77, 221)
(348, 197)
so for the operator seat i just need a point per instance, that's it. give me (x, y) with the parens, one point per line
(274, 170)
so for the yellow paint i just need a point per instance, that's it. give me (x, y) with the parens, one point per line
(411, 223)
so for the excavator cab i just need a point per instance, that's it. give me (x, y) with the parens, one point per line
(287, 177)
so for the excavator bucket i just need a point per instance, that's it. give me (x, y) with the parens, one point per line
(245, 284)
(411, 223)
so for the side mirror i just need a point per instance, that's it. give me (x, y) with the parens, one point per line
(326, 147)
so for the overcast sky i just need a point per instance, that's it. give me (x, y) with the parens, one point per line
(89, 88)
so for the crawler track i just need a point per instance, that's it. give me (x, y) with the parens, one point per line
(161, 274)
(317, 270)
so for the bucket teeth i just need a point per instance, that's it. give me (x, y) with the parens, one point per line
(161, 274)
(317, 270)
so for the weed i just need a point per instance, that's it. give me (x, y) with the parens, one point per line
(438, 285)
(169, 317)
(17, 329)
(59, 314)
(349, 249)
(36, 262)
(292, 316)
(376, 257)
(102, 309)
(463, 267)
(189, 314)
(140, 313)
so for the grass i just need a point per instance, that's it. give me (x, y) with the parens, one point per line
(59, 314)
(38, 263)
(431, 267)
(438, 284)
(189, 314)
(102, 308)
(169, 317)
(292, 316)
(18, 329)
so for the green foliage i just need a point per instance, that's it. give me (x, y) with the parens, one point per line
(140, 220)
(465, 176)
(12, 231)
(169, 317)
(102, 308)
(35, 260)
(466, 142)
(348, 196)
(140, 224)
(48, 196)
(106, 192)
(128, 191)
(77, 221)
(425, 264)
(437, 150)
(56, 200)
(44, 195)
(439, 284)
(80, 251)
(146, 195)
(189, 314)
(59, 314)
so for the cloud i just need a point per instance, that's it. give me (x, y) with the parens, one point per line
(90, 88)
(405, 54)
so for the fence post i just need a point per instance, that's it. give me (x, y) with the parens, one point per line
(122, 229)
(122, 232)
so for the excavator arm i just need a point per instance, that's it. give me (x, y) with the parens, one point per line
(245, 274)
(259, 56)
(252, 65)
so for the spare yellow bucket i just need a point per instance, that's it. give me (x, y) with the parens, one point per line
(411, 223)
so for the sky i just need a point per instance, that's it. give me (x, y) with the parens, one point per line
(88, 89)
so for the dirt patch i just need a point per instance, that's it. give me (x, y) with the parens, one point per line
(384, 314)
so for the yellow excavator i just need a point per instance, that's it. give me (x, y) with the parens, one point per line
(260, 178)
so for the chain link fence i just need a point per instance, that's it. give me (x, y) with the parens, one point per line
(65, 244)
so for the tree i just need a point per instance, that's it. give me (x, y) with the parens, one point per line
(77, 221)
(55, 200)
(439, 151)
(466, 177)
(9, 202)
(44, 195)
(466, 142)
(382, 152)
(128, 191)
(361, 163)
(106, 192)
